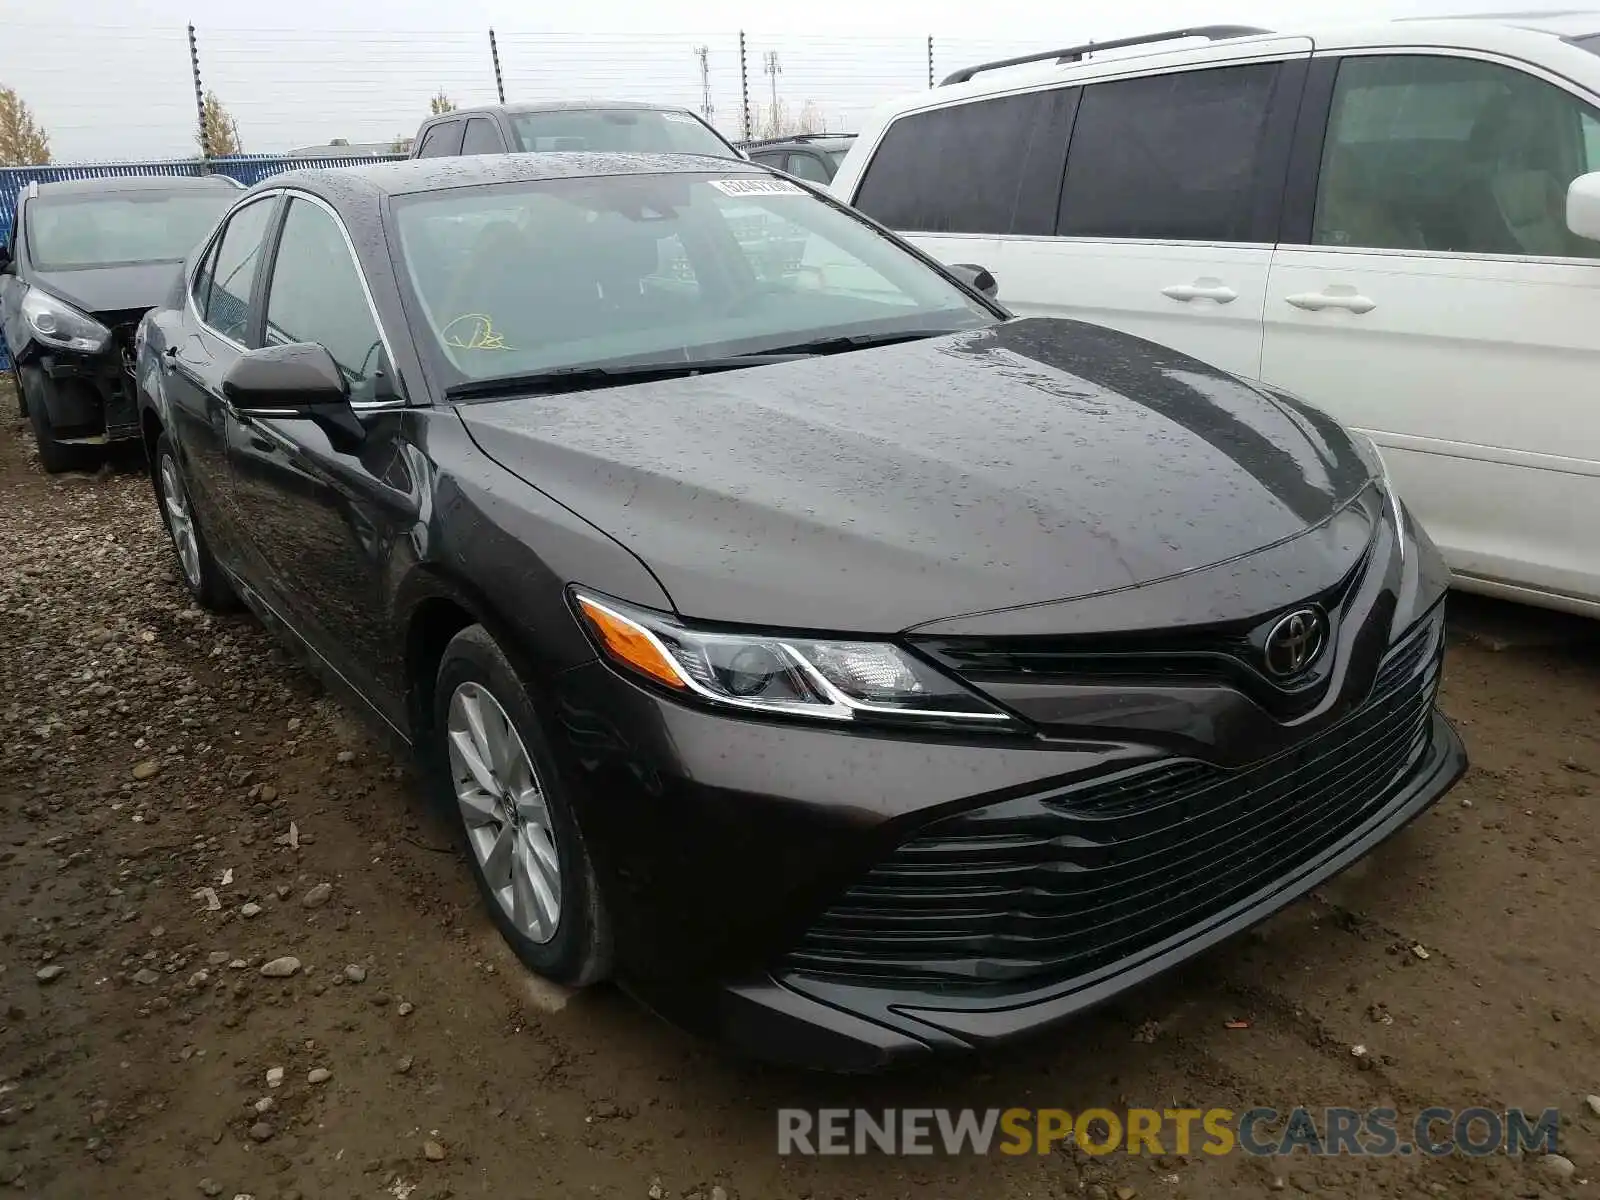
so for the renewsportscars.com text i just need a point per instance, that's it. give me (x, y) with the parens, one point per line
(1435, 1132)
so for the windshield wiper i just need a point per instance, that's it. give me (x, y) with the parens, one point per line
(582, 379)
(861, 341)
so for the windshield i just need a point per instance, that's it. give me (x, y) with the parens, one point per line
(644, 130)
(72, 232)
(527, 277)
(1590, 43)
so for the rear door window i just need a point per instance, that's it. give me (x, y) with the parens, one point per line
(808, 166)
(481, 137)
(441, 141)
(1448, 154)
(990, 167)
(230, 274)
(1177, 156)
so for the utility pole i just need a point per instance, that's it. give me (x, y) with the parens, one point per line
(703, 53)
(770, 67)
(199, 101)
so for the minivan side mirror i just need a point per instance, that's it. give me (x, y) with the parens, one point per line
(297, 380)
(974, 276)
(1583, 206)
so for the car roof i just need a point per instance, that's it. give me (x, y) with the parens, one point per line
(1561, 22)
(1531, 33)
(370, 181)
(539, 106)
(821, 141)
(136, 183)
(1487, 31)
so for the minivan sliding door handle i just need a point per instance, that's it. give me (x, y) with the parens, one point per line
(1317, 301)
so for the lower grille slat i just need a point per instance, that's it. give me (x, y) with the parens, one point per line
(1046, 887)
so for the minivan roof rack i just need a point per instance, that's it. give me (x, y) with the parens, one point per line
(1214, 33)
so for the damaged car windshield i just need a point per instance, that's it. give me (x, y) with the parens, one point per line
(75, 232)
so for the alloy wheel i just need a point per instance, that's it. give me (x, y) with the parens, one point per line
(503, 805)
(180, 521)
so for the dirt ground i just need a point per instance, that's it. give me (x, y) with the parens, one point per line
(149, 752)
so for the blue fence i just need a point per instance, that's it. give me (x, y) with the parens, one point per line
(248, 169)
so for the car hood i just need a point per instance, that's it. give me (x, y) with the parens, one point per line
(874, 490)
(111, 289)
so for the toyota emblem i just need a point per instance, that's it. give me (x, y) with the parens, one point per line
(1296, 642)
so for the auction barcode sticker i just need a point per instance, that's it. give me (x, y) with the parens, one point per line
(757, 187)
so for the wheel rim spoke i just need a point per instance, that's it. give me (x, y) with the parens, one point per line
(544, 852)
(497, 863)
(531, 808)
(506, 813)
(472, 710)
(470, 758)
(524, 904)
(180, 522)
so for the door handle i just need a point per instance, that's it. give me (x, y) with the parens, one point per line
(1200, 289)
(1350, 301)
(169, 358)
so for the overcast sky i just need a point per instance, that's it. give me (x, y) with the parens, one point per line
(109, 79)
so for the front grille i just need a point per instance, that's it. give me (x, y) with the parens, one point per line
(1042, 888)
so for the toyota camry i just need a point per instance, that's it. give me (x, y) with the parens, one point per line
(851, 670)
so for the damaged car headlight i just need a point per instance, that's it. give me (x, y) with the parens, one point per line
(834, 679)
(56, 323)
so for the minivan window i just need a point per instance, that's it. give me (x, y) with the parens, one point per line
(1177, 156)
(991, 166)
(614, 268)
(1429, 152)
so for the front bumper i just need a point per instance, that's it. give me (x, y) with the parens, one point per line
(808, 1020)
(92, 398)
(745, 861)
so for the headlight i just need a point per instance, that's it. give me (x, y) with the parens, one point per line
(56, 323)
(796, 676)
(1368, 450)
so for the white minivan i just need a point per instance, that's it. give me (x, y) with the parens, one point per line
(1399, 223)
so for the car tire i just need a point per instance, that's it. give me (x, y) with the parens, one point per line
(482, 709)
(54, 456)
(196, 566)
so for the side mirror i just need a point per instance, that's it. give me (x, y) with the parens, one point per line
(297, 380)
(974, 276)
(1583, 206)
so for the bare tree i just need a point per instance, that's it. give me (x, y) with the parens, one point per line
(23, 143)
(441, 104)
(776, 120)
(401, 144)
(219, 132)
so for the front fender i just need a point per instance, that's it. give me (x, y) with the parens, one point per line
(151, 344)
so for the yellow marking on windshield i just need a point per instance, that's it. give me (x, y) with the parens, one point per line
(473, 331)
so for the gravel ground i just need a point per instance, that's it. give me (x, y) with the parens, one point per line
(240, 957)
